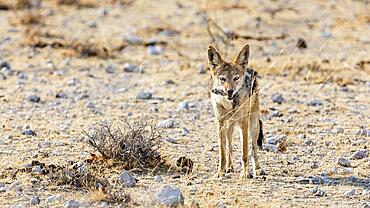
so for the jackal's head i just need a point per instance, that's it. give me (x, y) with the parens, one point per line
(228, 77)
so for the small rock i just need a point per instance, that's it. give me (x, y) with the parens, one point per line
(308, 142)
(92, 24)
(168, 32)
(54, 198)
(366, 205)
(315, 180)
(154, 50)
(72, 82)
(34, 98)
(351, 192)
(144, 95)
(201, 69)
(269, 147)
(4, 64)
(168, 123)
(301, 43)
(35, 200)
(132, 39)
(72, 204)
(339, 131)
(170, 196)
(61, 95)
(22, 75)
(365, 192)
(127, 67)
(185, 132)
(103, 12)
(29, 132)
(169, 82)
(272, 140)
(314, 102)
(362, 132)
(344, 162)
(171, 140)
(277, 98)
(183, 105)
(36, 169)
(158, 178)
(360, 154)
(275, 113)
(110, 69)
(127, 180)
(320, 193)
(2, 189)
(90, 105)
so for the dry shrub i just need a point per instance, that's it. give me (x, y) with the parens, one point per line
(23, 4)
(28, 17)
(78, 3)
(88, 49)
(134, 143)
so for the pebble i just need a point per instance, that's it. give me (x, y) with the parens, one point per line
(360, 154)
(132, 39)
(170, 196)
(36, 169)
(72, 204)
(154, 50)
(272, 140)
(314, 102)
(54, 198)
(320, 193)
(275, 113)
(127, 67)
(362, 132)
(35, 200)
(269, 147)
(2, 189)
(34, 98)
(366, 205)
(277, 98)
(144, 95)
(90, 105)
(158, 178)
(61, 95)
(168, 123)
(301, 43)
(351, 192)
(171, 140)
(127, 180)
(110, 69)
(365, 192)
(201, 69)
(184, 105)
(185, 132)
(308, 142)
(29, 132)
(4, 64)
(344, 162)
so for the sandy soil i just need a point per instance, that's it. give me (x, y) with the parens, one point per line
(325, 86)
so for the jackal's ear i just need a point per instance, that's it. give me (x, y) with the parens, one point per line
(214, 58)
(243, 56)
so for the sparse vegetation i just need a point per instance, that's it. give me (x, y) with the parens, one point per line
(134, 144)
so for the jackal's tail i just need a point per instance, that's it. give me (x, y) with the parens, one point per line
(260, 135)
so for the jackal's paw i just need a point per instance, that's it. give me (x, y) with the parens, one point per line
(220, 174)
(230, 169)
(246, 176)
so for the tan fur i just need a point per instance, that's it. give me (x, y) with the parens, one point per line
(238, 108)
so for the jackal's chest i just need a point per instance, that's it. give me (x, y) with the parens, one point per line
(223, 101)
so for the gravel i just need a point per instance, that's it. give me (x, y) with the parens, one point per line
(71, 204)
(360, 154)
(277, 98)
(144, 95)
(34, 98)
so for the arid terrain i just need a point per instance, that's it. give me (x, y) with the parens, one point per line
(67, 64)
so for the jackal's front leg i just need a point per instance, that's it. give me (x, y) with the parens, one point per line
(245, 157)
(222, 148)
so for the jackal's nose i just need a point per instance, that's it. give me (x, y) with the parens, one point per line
(230, 92)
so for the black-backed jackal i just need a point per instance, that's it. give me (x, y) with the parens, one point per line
(234, 96)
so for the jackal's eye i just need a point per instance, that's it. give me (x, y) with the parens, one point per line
(236, 78)
(223, 79)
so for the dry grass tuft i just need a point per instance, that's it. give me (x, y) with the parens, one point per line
(23, 4)
(28, 17)
(78, 3)
(134, 144)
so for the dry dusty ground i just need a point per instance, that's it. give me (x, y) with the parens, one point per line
(324, 115)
